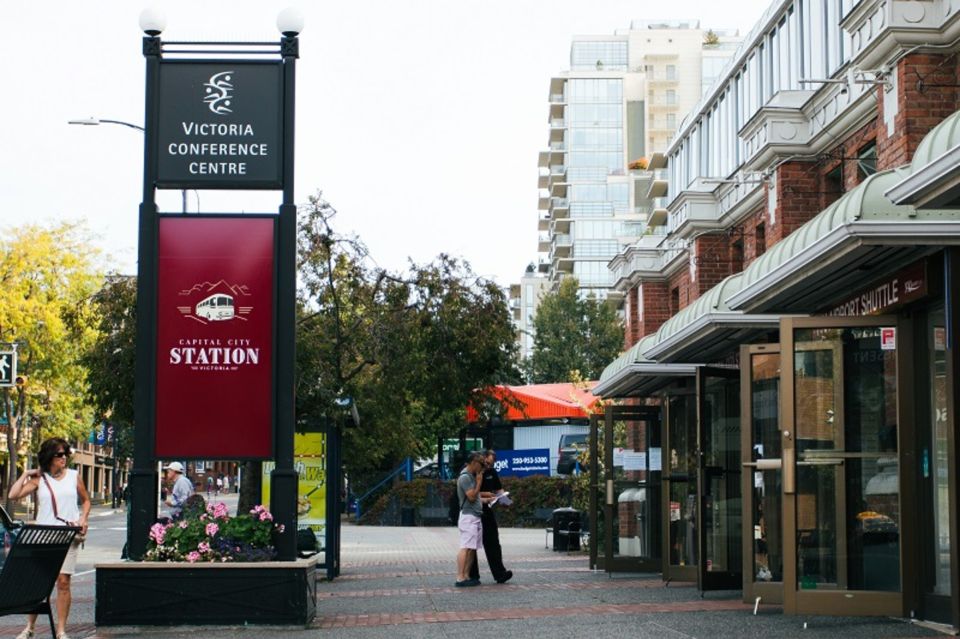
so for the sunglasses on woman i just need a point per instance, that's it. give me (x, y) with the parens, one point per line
(62, 453)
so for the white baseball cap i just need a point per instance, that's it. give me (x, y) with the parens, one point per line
(176, 467)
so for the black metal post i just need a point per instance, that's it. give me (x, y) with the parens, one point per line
(115, 488)
(143, 477)
(283, 479)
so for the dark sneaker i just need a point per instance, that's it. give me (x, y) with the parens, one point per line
(463, 584)
(472, 582)
(506, 577)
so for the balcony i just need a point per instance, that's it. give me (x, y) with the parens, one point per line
(543, 244)
(662, 125)
(562, 245)
(561, 225)
(560, 207)
(663, 78)
(544, 204)
(543, 224)
(661, 103)
(559, 190)
(562, 264)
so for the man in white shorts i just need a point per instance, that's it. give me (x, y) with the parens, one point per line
(469, 523)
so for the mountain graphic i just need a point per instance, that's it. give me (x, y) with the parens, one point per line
(207, 287)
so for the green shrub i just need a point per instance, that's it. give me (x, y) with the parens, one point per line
(528, 494)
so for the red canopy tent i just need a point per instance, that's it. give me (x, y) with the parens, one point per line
(543, 401)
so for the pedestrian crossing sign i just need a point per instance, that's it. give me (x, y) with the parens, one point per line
(8, 368)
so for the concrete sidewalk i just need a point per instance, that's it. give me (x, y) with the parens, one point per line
(398, 582)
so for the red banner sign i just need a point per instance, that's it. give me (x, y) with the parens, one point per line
(215, 306)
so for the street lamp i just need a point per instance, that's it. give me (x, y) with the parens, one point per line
(92, 121)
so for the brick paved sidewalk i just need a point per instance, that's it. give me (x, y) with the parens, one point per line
(398, 583)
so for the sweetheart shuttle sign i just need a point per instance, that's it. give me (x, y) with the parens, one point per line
(215, 304)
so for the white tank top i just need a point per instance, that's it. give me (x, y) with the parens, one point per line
(65, 490)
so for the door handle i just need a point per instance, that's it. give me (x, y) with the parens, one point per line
(765, 464)
(789, 472)
(821, 461)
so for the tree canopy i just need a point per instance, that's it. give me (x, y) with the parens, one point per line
(410, 349)
(575, 337)
(47, 278)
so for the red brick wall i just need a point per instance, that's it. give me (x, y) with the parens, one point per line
(651, 299)
(920, 106)
(712, 253)
(681, 282)
(632, 314)
(797, 201)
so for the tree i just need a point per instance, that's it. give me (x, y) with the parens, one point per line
(574, 337)
(47, 277)
(109, 359)
(410, 349)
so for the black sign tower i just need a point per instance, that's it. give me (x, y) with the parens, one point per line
(203, 132)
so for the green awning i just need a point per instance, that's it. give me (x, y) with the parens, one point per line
(934, 180)
(707, 330)
(634, 375)
(860, 237)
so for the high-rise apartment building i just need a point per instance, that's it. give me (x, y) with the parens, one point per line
(524, 298)
(610, 115)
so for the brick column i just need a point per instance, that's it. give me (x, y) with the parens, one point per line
(797, 200)
(920, 106)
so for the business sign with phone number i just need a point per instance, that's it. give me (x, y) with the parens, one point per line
(523, 463)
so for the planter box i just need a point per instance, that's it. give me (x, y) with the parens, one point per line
(132, 593)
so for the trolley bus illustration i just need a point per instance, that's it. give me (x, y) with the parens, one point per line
(216, 308)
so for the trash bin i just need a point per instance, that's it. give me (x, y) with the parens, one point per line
(566, 529)
(407, 516)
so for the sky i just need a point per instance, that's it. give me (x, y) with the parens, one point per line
(419, 120)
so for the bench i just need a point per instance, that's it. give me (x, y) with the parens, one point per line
(434, 516)
(32, 565)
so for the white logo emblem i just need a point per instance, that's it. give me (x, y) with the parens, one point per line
(912, 285)
(219, 92)
(217, 302)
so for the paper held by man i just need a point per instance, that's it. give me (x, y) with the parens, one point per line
(501, 498)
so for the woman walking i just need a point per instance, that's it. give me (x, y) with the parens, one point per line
(62, 500)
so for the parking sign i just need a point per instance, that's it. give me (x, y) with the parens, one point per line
(8, 368)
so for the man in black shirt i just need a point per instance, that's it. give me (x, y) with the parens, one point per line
(491, 535)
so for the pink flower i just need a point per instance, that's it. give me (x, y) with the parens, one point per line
(211, 529)
(183, 524)
(203, 517)
(193, 556)
(157, 533)
(220, 511)
(266, 516)
(203, 547)
(281, 528)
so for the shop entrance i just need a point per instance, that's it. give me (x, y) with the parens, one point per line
(761, 482)
(841, 488)
(625, 499)
(701, 481)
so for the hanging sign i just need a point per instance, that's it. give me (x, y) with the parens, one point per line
(220, 125)
(215, 307)
(903, 287)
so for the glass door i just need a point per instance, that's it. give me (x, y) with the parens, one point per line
(718, 480)
(933, 470)
(632, 489)
(761, 480)
(679, 486)
(841, 479)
